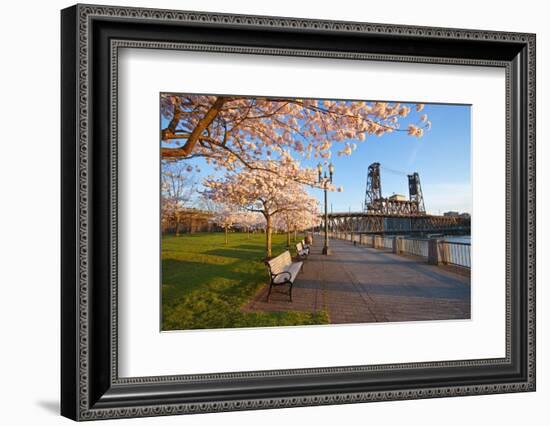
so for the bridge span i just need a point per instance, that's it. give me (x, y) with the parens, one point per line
(373, 223)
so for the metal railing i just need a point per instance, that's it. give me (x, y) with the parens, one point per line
(387, 243)
(416, 247)
(367, 240)
(456, 253)
(445, 252)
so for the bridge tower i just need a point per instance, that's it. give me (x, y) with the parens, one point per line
(374, 187)
(415, 192)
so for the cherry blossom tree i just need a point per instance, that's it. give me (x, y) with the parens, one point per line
(309, 219)
(261, 191)
(301, 218)
(240, 131)
(249, 220)
(226, 217)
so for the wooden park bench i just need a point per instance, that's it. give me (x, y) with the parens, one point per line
(306, 245)
(283, 271)
(302, 251)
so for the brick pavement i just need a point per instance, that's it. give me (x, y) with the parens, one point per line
(357, 284)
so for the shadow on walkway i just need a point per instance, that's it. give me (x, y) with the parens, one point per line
(357, 284)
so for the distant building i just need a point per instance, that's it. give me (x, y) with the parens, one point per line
(457, 214)
(190, 220)
(398, 197)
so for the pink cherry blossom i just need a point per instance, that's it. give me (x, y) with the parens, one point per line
(262, 191)
(239, 131)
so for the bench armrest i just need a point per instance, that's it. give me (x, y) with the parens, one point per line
(273, 276)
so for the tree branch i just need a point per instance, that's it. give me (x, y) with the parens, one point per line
(203, 123)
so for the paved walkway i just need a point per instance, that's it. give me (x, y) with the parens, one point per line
(360, 284)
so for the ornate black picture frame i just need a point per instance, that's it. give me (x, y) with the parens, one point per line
(91, 37)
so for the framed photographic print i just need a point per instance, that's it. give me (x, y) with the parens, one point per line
(263, 212)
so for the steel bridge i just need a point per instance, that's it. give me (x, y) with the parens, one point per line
(396, 205)
(372, 223)
(395, 214)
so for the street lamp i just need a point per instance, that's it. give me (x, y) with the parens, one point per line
(324, 180)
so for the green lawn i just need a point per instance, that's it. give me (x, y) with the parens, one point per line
(206, 282)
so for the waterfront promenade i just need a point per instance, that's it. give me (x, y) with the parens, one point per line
(358, 284)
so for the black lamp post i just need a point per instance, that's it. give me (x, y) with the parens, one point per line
(324, 180)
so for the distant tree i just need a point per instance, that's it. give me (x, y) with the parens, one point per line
(248, 220)
(299, 219)
(178, 187)
(262, 192)
(226, 217)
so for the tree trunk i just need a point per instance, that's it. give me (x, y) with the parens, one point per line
(268, 236)
(226, 235)
(294, 235)
(288, 237)
(177, 226)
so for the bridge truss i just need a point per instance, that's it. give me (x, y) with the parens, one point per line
(362, 222)
(375, 203)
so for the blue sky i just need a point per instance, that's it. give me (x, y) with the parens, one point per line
(442, 157)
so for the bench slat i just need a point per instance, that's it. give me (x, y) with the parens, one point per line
(280, 263)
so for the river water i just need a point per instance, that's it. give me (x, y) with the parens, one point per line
(457, 238)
